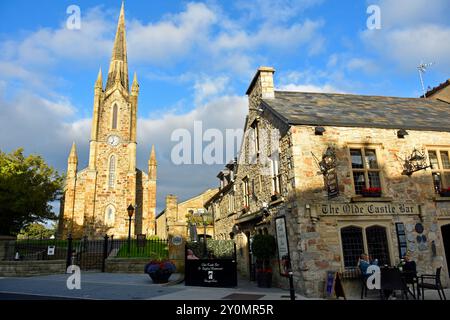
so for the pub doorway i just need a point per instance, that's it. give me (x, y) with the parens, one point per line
(445, 231)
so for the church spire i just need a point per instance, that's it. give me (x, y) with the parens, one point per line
(118, 67)
(152, 164)
(73, 158)
(99, 82)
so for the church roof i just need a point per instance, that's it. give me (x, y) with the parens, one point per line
(348, 110)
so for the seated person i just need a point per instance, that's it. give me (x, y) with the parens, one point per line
(409, 265)
(191, 255)
(364, 263)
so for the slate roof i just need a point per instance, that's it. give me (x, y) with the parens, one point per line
(347, 110)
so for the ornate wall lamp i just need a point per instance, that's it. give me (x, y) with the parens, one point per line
(415, 162)
(328, 161)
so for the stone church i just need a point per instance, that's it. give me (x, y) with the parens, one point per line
(96, 198)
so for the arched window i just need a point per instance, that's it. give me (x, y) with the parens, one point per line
(352, 245)
(114, 117)
(377, 244)
(110, 215)
(112, 171)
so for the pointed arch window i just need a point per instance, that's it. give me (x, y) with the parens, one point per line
(110, 215)
(114, 117)
(112, 171)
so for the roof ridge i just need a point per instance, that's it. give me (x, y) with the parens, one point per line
(350, 94)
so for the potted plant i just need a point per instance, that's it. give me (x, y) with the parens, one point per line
(445, 192)
(264, 248)
(160, 270)
(371, 192)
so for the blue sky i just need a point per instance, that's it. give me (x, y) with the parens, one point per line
(194, 61)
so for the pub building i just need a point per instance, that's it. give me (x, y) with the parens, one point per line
(347, 174)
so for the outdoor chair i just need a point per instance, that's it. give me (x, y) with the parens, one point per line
(433, 283)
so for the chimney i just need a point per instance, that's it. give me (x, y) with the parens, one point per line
(261, 87)
(171, 208)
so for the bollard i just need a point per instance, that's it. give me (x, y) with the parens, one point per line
(291, 285)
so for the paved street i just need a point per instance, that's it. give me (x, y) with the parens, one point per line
(115, 286)
(129, 286)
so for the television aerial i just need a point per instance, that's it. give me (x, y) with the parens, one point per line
(422, 67)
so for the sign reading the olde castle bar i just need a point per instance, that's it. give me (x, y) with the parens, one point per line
(333, 209)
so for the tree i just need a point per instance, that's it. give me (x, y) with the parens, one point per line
(36, 231)
(27, 185)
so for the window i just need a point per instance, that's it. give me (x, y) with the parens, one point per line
(352, 245)
(110, 215)
(377, 244)
(246, 192)
(275, 173)
(231, 202)
(255, 138)
(366, 172)
(440, 162)
(114, 117)
(401, 239)
(356, 240)
(112, 171)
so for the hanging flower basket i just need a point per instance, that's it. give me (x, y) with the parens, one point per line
(371, 192)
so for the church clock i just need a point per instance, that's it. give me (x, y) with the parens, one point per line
(113, 140)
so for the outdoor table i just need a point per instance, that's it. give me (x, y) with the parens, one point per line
(391, 280)
(411, 277)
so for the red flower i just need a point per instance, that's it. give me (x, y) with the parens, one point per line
(371, 190)
(267, 270)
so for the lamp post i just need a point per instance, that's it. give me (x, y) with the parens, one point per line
(205, 247)
(130, 210)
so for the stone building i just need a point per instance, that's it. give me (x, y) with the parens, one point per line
(177, 219)
(96, 198)
(348, 174)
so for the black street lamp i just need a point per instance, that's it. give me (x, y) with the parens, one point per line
(130, 210)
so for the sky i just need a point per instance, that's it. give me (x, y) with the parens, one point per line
(194, 61)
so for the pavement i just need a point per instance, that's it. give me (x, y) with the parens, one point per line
(118, 286)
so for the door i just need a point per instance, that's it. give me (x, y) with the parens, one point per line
(445, 230)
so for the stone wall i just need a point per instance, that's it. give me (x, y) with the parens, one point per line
(317, 235)
(31, 268)
(118, 265)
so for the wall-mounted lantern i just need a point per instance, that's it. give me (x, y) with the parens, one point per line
(415, 162)
(328, 161)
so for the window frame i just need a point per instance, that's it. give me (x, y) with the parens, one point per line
(112, 175)
(365, 170)
(245, 192)
(440, 170)
(115, 116)
(363, 225)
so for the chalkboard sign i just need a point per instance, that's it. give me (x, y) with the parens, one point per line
(333, 285)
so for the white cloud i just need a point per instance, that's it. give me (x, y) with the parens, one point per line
(172, 37)
(403, 13)
(275, 10)
(47, 46)
(407, 47)
(365, 65)
(326, 88)
(207, 87)
(412, 31)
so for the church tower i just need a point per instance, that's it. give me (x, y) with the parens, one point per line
(96, 198)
